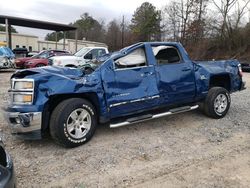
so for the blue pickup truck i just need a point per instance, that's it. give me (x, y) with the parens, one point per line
(140, 82)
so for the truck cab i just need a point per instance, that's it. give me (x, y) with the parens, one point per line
(140, 82)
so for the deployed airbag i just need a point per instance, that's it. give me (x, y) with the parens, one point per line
(159, 48)
(137, 57)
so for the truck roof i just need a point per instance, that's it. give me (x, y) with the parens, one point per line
(150, 43)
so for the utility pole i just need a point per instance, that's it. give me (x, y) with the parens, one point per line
(123, 27)
(56, 39)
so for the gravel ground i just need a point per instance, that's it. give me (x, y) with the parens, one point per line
(183, 150)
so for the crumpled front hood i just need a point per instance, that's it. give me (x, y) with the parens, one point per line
(49, 71)
(60, 80)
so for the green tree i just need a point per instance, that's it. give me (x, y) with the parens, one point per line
(146, 23)
(52, 36)
(87, 28)
(90, 29)
(2, 28)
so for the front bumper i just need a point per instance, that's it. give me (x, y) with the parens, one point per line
(26, 125)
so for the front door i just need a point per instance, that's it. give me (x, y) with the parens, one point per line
(131, 86)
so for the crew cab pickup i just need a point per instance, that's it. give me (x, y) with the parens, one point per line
(140, 82)
(79, 58)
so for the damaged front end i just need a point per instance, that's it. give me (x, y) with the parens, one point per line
(32, 89)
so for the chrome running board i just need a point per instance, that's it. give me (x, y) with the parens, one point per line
(154, 116)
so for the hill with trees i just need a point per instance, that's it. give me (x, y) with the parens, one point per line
(207, 28)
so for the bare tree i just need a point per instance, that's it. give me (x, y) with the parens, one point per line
(172, 21)
(231, 12)
(113, 36)
(186, 13)
(240, 11)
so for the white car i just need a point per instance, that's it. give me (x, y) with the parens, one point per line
(79, 58)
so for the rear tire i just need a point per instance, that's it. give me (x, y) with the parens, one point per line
(217, 102)
(73, 122)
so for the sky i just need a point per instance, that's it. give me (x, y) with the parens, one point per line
(66, 11)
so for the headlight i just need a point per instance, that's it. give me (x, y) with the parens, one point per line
(19, 85)
(22, 98)
(22, 91)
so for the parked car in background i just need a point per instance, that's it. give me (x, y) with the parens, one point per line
(20, 52)
(141, 82)
(6, 58)
(45, 54)
(245, 66)
(79, 58)
(7, 175)
(33, 53)
(44, 60)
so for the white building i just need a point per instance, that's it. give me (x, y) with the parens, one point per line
(32, 43)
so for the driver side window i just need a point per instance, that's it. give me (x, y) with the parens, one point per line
(136, 58)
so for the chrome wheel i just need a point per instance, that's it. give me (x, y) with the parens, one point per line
(220, 103)
(78, 123)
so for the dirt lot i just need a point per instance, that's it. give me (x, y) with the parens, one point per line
(184, 150)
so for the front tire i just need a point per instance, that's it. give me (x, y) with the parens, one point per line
(217, 102)
(73, 122)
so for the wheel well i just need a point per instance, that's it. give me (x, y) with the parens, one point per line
(221, 81)
(56, 99)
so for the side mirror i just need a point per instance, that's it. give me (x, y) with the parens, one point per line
(88, 56)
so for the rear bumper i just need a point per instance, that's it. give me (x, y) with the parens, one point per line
(25, 125)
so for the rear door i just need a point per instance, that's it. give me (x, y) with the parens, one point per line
(132, 86)
(175, 77)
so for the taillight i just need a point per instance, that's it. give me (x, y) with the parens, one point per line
(240, 70)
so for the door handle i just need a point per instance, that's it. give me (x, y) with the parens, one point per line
(186, 69)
